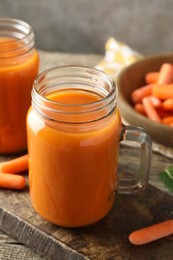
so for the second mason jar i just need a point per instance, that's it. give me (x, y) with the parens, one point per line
(74, 129)
(19, 64)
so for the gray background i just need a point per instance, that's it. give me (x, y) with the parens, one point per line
(83, 26)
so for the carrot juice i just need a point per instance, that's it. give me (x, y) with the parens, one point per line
(74, 129)
(19, 63)
(73, 157)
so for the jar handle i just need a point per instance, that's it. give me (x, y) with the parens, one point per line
(138, 135)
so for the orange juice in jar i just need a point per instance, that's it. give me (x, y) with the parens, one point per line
(19, 64)
(74, 129)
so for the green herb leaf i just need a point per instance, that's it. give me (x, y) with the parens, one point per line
(166, 177)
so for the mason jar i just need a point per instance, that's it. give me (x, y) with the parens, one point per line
(19, 62)
(74, 129)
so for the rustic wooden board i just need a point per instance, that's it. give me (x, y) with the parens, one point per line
(10, 249)
(107, 239)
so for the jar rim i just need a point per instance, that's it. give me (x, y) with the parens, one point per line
(15, 31)
(41, 102)
(17, 22)
(100, 73)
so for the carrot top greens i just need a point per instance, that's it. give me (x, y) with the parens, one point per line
(166, 177)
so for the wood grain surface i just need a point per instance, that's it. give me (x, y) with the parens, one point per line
(12, 249)
(107, 239)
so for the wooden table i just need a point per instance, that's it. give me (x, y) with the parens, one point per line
(34, 238)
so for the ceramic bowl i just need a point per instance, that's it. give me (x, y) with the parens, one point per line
(132, 77)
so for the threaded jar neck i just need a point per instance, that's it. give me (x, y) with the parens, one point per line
(76, 79)
(16, 37)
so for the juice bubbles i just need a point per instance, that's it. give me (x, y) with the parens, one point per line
(73, 138)
(19, 64)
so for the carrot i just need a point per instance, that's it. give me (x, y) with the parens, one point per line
(162, 113)
(150, 110)
(152, 233)
(139, 107)
(151, 77)
(159, 93)
(16, 165)
(167, 120)
(155, 101)
(11, 181)
(138, 94)
(165, 74)
(163, 91)
(168, 104)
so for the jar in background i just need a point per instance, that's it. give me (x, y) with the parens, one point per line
(19, 62)
(74, 129)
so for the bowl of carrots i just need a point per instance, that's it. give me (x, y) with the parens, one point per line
(146, 96)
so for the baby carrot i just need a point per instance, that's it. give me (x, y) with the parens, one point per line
(138, 94)
(139, 107)
(162, 113)
(155, 101)
(168, 120)
(12, 181)
(165, 74)
(152, 233)
(168, 104)
(150, 110)
(162, 91)
(151, 77)
(16, 165)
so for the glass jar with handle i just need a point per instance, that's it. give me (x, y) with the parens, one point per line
(74, 129)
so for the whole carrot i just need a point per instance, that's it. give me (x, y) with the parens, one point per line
(165, 74)
(16, 165)
(152, 233)
(12, 181)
